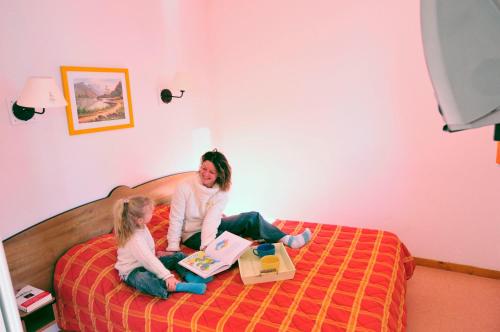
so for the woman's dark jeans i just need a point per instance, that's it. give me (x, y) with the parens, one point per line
(249, 224)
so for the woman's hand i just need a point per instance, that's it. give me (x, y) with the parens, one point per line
(171, 284)
(165, 253)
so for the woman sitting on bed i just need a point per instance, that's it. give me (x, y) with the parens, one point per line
(197, 206)
(137, 264)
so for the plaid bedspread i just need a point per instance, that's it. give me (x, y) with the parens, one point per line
(347, 279)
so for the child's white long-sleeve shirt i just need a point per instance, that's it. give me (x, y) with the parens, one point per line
(195, 208)
(140, 251)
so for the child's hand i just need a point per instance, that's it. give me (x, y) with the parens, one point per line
(171, 284)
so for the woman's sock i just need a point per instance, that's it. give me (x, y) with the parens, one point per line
(297, 241)
(191, 287)
(191, 277)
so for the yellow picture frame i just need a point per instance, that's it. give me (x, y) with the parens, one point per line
(98, 99)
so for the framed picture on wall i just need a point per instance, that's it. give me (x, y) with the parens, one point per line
(98, 99)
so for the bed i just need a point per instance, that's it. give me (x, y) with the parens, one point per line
(347, 279)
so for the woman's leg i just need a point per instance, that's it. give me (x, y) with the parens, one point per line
(251, 224)
(194, 241)
(248, 224)
(171, 263)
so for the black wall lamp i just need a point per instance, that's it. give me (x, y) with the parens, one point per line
(166, 95)
(39, 92)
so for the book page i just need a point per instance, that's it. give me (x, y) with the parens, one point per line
(205, 264)
(227, 247)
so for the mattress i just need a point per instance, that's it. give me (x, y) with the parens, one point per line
(347, 279)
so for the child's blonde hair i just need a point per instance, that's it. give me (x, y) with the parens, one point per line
(126, 212)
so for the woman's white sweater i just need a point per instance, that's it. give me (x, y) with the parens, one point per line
(195, 208)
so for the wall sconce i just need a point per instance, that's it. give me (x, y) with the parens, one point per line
(181, 82)
(39, 92)
(166, 95)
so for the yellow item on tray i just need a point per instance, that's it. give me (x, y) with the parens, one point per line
(250, 267)
(269, 263)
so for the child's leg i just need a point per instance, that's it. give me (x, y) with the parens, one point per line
(147, 282)
(191, 287)
(194, 284)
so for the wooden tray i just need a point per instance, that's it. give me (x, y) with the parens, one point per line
(249, 265)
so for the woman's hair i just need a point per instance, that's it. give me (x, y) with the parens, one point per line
(126, 213)
(222, 166)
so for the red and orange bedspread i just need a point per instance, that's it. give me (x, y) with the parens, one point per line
(347, 279)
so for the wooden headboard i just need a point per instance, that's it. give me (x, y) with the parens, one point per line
(32, 253)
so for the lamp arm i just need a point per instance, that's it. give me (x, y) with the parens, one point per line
(182, 93)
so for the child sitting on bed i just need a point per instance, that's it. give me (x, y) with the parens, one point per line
(137, 263)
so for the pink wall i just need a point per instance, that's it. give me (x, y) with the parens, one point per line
(327, 113)
(324, 109)
(44, 170)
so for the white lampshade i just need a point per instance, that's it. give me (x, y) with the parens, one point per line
(41, 92)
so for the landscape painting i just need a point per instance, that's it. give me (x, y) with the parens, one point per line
(99, 99)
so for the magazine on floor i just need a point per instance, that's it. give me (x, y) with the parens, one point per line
(219, 255)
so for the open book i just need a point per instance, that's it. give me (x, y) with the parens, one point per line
(219, 255)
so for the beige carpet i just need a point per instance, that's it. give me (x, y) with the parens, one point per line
(439, 300)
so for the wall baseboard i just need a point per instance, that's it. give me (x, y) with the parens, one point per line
(476, 271)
